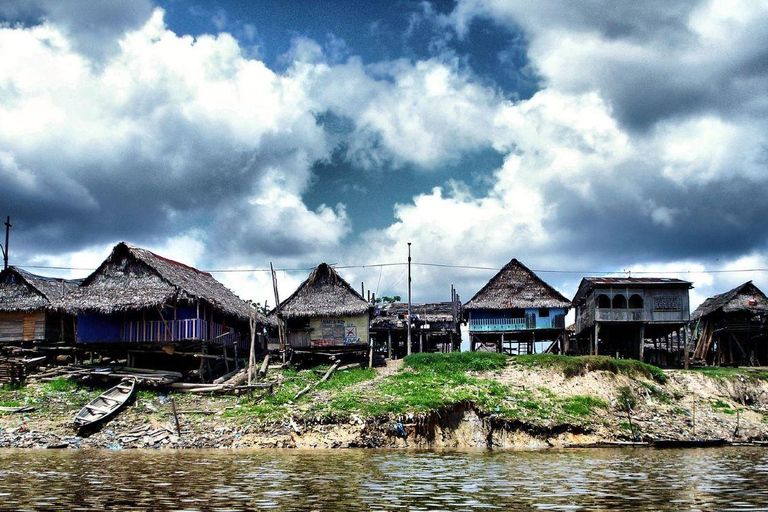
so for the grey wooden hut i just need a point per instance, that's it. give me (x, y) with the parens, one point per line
(139, 298)
(632, 317)
(732, 328)
(515, 310)
(435, 326)
(25, 312)
(325, 313)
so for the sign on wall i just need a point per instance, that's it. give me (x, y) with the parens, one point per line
(667, 303)
(338, 331)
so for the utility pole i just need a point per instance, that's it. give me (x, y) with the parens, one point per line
(5, 248)
(280, 322)
(409, 299)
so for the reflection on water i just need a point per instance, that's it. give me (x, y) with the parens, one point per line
(629, 479)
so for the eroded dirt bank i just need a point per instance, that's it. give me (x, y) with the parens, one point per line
(517, 406)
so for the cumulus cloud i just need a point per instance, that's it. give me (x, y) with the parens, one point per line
(168, 135)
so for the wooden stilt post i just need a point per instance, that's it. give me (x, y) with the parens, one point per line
(641, 343)
(252, 354)
(596, 341)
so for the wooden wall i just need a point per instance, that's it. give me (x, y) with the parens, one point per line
(339, 331)
(22, 326)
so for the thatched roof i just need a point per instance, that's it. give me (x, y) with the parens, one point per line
(516, 286)
(745, 297)
(324, 293)
(23, 291)
(589, 283)
(132, 278)
(393, 315)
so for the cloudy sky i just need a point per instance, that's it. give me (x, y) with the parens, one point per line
(579, 137)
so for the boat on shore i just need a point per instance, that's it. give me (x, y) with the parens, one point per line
(105, 405)
(689, 443)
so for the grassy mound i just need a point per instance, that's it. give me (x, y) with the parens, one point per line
(457, 362)
(573, 366)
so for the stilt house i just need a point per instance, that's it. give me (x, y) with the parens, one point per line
(325, 313)
(138, 298)
(435, 327)
(514, 311)
(25, 312)
(616, 315)
(732, 328)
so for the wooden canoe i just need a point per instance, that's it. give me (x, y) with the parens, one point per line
(105, 405)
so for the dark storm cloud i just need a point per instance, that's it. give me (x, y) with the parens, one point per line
(721, 219)
(651, 61)
(93, 25)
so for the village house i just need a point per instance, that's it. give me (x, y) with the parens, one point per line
(25, 312)
(139, 301)
(325, 314)
(514, 311)
(616, 315)
(732, 328)
(435, 327)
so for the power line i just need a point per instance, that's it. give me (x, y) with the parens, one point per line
(442, 265)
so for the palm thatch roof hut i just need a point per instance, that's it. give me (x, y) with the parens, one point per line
(132, 278)
(515, 285)
(514, 310)
(732, 327)
(25, 313)
(138, 296)
(325, 311)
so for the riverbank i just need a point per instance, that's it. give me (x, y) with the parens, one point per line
(426, 401)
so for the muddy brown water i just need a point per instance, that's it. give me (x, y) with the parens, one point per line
(731, 478)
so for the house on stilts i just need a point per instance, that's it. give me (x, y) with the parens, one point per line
(325, 314)
(632, 317)
(435, 327)
(514, 311)
(732, 328)
(26, 315)
(150, 307)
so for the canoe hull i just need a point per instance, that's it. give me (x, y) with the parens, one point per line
(105, 406)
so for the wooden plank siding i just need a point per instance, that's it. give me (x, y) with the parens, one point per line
(504, 321)
(15, 327)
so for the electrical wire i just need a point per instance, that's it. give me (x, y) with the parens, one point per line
(444, 265)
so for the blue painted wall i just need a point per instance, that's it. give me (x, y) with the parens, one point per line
(96, 328)
(496, 320)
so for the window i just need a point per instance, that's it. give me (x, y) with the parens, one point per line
(636, 302)
(603, 301)
(543, 312)
(619, 302)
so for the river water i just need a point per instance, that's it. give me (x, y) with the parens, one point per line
(732, 478)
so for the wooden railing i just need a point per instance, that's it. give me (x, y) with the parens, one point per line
(158, 331)
(497, 324)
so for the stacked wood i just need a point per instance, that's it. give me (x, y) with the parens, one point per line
(12, 372)
(189, 387)
(143, 376)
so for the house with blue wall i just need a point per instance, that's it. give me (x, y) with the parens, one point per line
(138, 300)
(515, 310)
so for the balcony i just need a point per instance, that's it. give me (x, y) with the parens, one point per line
(157, 331)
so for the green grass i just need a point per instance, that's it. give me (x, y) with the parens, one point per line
(723, 407)
(10, 403)
(61, 385)
(573, 366)
(582, 405)
(457, 362)
(718, 372)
